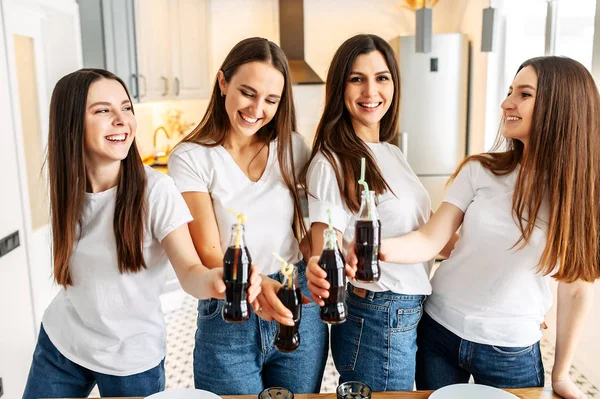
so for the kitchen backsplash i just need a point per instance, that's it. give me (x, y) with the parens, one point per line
(308, 100)
(152, 115)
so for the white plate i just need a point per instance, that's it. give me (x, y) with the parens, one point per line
(471, 391)
(184, 393)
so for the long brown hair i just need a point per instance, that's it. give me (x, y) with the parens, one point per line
(560, 167)
(214, 127)
(68, 179)
(335, 137)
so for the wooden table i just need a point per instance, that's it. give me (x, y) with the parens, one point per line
(526, 393)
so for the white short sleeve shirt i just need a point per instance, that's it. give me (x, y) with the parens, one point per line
(109, 322)
(267, 203)
(401, 211)
(488, 291)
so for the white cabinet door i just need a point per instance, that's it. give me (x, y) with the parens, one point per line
(189, 30)
(153, 49)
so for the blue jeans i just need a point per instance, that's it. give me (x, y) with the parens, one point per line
(444, 358)
(378, 342)
(54, 376)
(240, 359)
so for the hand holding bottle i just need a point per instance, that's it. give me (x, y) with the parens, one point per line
(236, 275)
(216, 286)
(269, 306)
(287, 338)
(352, 259)
(317, 278)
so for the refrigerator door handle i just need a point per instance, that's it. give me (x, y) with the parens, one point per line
(404, 143)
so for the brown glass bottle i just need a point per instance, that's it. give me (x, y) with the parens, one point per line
(332, 261)
(287, 338)
(367, 239)
(236, 273)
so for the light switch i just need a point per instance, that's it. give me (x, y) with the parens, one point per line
(9, 243)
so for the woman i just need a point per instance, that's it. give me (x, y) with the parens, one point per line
(116, 224)
(244, 156)
(377, 343)
(527, 212)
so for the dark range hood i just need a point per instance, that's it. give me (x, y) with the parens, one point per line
(291, 35)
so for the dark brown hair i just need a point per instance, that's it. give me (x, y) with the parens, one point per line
(335, 137)
(560, 168)
(215, 124)
(68, 179)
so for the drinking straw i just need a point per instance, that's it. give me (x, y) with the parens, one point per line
(286, 268)
(331, 242)
(241, 219)
(362, 175)
(365, 187)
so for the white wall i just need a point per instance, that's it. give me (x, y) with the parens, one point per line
(26, 286)
(54, 28)
(234, 20)
(596, 53)
(471, 26)
(17, 332)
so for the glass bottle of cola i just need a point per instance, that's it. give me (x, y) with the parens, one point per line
(367, 239)
(332, 261)
(287, 338)
(236, 275)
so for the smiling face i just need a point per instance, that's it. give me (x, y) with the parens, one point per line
(109, 123)
(252, 96)
(369, 90)
(518, 106)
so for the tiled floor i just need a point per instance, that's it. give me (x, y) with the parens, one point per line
(180, 315)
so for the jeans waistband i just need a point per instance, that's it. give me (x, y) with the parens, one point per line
(372, 295)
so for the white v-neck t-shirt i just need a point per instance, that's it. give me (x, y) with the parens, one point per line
(487, 291)
(267, 203)
(109, 322)
(401, 211)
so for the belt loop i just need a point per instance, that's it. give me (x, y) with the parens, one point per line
(370, 295)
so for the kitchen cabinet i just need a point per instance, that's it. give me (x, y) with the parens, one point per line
(158, 47)
(153, 48)
(172, 41)
(108, 39)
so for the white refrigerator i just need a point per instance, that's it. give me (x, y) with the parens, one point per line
(433, 110)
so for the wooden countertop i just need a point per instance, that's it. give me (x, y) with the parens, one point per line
(526, 393)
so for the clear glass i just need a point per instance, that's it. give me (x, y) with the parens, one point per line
(276, 393)
(236, 241)
(329, 239)
(368, 207)
(353, 390)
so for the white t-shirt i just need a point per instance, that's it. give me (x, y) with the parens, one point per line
(267, 203)
(400, 212)
(106, 321)
(487, 291)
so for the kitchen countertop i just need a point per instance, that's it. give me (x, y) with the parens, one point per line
(159, 164)
(525, 393)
